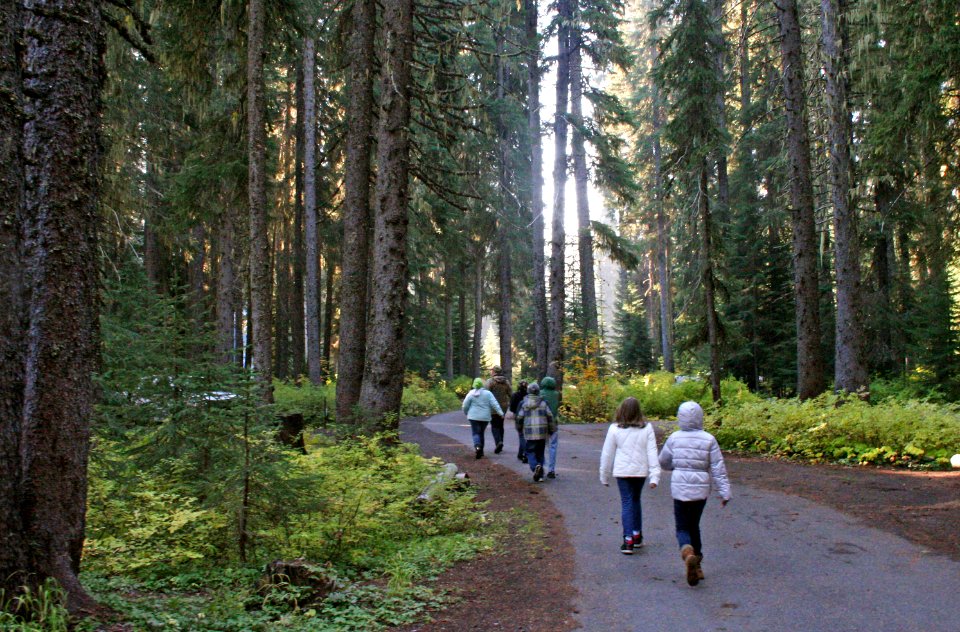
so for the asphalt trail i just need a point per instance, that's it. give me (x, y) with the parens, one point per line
(773, 562)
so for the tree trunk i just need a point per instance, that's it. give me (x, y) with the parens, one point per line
(354, 262)
(709, 295)
(448, 325)
(462, 324)
(850, 372)
(723, 181)
(329, 302)
(282, 316)
(588, 292)
(13, 297)
(63, 75)
(226, 285)
(260, 278)
(663, 236)
(382, 387)
(558, 236)
(195, 273)
(883, 270)
(477, 314)
(314, 363)
(505, 320)
(297, 318)
(536, 189)
(810, 367)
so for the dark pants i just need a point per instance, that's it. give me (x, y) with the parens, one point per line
(496, 426)
(478, 428)
(535, 452)
(522, 450)
(630, 513)
(687, 515)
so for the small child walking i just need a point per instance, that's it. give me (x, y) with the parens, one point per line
(538, 424)
(697, 464)
(630, 455)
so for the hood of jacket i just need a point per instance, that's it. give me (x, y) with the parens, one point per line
(549, 383)
(531, 401)
(690, 416)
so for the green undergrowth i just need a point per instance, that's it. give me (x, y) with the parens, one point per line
(39, 609)
(165, 559)
(843, 429)
(317, 403)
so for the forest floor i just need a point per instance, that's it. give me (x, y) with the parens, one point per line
(527, 584)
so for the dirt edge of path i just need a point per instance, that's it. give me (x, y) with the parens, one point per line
(526, 583)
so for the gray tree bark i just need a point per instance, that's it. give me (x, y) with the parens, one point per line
(505, 318)
(63, 74)
(260, 277)
(226, 284)
(810, 367)
(314, 363)
(354, 261)
(558, 234)
(477, 313)
(588, 291)
(707, 279)
(663, 235)
(13, 297)
(536, 189)
(299, 260)
(850, 371)
(382, 387)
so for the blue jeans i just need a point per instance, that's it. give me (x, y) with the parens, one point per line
(535, 452)
(523, 444)
(496, 427)
(478, 428)
(687, 515)
(552, 452)
(630, 513)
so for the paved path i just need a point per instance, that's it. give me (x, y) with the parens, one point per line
(772, 561)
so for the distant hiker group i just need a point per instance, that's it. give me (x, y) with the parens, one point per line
(534, 409)
(629, 455)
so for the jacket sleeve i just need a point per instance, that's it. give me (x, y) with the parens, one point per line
(521, 413)
(495, 405)
(654, 474)
(718, 471)
(467, 402)
(607, 454)
(666, 454)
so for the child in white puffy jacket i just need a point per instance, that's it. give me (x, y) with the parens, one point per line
(694, 456)
(630, 455)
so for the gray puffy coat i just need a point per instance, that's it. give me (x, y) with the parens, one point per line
(694, 456)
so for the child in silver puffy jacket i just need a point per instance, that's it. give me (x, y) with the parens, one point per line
(693, 455)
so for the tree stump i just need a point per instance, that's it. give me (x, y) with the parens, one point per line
(290, 431)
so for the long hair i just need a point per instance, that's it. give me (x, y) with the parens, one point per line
(629, 414)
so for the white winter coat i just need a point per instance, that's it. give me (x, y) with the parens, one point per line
(694, 456)
(629, 452)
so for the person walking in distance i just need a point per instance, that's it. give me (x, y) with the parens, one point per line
(630, 455)
(515, 400)
(499, 385)
(548, 390)
(696, 461)
(479, 405)
(538, 424)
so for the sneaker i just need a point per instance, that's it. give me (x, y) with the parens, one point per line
(627, 546)
(524, 459)
(499, 448)
(538, 474)
(637, 541)
(551, 474)
(478, 452)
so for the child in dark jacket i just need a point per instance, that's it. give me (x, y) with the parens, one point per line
(538, 424)
(693, 455)
(515, 400)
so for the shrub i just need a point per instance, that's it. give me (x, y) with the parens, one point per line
(844, 429)
(317, 404)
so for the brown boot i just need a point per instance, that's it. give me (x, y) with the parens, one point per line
(699, 567)
(690, 562)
